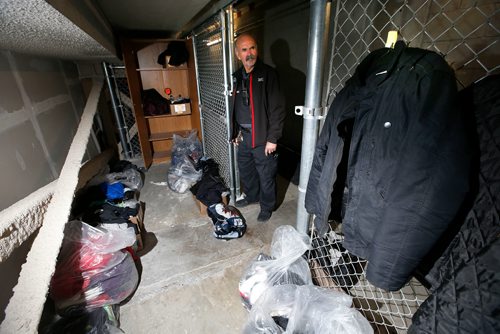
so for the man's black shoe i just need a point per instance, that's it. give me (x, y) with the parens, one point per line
(243, 202)
(264, 216)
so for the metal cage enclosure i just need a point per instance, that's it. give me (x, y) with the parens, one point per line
(466, 34)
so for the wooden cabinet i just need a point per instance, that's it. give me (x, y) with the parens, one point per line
(145, 72)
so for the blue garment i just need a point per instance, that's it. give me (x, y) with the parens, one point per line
(113, 191)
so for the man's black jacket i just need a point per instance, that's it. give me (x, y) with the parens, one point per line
(408, 160)
(267, 105)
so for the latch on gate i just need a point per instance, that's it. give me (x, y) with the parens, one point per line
(314, 113)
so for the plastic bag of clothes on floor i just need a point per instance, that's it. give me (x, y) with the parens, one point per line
(123, 172)
(182, 174)
(102, 320)
(285, 265)
(93, 269)
(305, 309)
(228, 221)
(130, 178)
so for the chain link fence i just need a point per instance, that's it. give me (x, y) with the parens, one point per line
(125, 108)
(332, 266)
(467, 35)
(210, 65)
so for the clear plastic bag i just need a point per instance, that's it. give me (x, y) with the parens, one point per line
(183, 176)
(92, 270)
(189, 146)
(94, 240)
(305, 309)
(130, 178)
(285, 265)
(186, 152)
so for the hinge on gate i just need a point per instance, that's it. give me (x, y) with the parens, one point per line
(314, 113)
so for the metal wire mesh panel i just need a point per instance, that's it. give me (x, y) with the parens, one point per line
(210, 65)
(122, 94)
(332, 266)
(467, 34)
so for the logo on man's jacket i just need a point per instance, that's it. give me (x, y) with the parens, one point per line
(260, 79)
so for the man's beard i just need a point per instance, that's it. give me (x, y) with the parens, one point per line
(250, 57)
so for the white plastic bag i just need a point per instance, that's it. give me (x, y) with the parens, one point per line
(285, 265)
(305, 309)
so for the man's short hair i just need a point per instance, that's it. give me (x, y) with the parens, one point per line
(241, 35)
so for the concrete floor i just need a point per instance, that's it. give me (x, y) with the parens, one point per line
(190, 279)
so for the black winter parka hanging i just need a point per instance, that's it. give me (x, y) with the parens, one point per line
(408, 161)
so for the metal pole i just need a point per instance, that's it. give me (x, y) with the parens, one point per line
(227, 53)
(200, 105)
(313, 111)
(122, 127)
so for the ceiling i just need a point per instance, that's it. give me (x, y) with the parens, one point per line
(89, 29)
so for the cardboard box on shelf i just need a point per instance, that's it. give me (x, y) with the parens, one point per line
(180, 109)
(138, 220)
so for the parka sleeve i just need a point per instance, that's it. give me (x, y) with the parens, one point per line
(276, 108)
(315, 188)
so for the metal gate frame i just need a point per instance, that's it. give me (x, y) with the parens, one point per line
(467, 34)
(213, 60)
(123, 111)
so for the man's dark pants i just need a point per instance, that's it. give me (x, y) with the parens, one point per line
(257, 173)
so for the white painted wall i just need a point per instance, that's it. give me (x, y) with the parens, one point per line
(41, 102)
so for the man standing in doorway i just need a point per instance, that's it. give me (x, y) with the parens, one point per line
(257, 117)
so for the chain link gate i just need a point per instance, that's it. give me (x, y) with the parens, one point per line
(467, 34)
(213, 90)
(119, 90)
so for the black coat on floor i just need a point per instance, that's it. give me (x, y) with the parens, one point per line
(209, 189)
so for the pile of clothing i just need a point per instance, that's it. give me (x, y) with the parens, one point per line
(97, 264)
(189, 170)
(96, 270)
(110, 199)
(211, 191)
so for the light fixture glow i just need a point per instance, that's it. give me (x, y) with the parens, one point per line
(215, 41)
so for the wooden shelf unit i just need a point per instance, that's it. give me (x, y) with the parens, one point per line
(156, 133)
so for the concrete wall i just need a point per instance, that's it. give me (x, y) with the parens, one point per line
(40, 106)
(11, 269)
